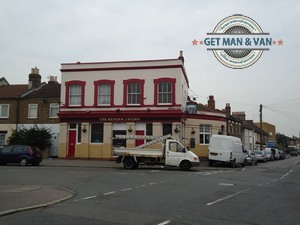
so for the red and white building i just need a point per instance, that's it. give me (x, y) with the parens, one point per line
(102, 99)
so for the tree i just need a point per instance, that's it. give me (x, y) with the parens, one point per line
(34, 136)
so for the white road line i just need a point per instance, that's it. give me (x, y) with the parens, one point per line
(152, 183)
(244, 168)
(163, 181)
(229, 196)
(86, 198)
(109, 193)
(140, 186)
(165, 222)
(225, 184)
(126, 189)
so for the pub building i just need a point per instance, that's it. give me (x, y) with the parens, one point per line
(100, 100)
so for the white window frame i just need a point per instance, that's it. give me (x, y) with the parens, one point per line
(204, 131)
(163, 94)
(32, 111)
(4, 115)
(104, 95)
(75, 98)
(134, 93)
(53, 110)
(2, 138)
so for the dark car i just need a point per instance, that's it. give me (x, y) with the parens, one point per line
(282, 154)
(250, 158)
(21, 154)
(293, 152)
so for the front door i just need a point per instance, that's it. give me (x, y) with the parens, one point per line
(174, 154)
(139, 141)
(71, 145)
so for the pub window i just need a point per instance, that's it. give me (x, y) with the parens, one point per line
(97, 133)
(205, 133)
(167, 128)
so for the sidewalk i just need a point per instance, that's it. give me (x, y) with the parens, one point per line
(17, 198)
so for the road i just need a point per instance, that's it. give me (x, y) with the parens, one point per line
(268, 193)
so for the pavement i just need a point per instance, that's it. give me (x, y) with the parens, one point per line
(18, 198)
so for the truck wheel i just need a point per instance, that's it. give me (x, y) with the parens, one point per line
(129, 163)
(185, 165)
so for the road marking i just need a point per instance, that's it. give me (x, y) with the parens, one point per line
(140, 186)
(86, 198)
(126, 189)
(165, 222)
(229, 196)
(225, 184)
(109, 193)
(152, 183)
(244, 168)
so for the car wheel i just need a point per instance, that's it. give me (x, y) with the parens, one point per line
(24, 162)
(185, 165)
(129, 163)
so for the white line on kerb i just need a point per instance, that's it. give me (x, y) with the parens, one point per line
(229, 196)
(165, 222)
(126, 189)
(225, 184)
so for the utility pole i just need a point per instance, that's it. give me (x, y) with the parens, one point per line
(260, 120)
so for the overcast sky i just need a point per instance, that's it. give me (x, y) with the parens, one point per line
(50, 32)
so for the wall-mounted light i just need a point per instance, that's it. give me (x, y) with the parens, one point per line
(84, 129)
(193, 131)
(130, 129)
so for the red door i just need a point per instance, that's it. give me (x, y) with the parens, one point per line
(139, 141)
(71, 145)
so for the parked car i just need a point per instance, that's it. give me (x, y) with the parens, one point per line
(294, 152)
(21, 154)
(282, 154)
(250, 158)
(260, 156)
(268, 154)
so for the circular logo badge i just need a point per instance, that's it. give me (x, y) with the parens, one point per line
(237, 25)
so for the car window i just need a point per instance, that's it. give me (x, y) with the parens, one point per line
(7, 149)
(19, 149)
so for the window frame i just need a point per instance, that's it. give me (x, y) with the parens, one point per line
(32, 106)
(68, 85)
(141, 94)
(111, 83)
(157, 82)
(101, 132)
(1, 107)
(204, 133)
(51, 107)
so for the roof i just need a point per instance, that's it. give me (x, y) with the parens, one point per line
(12, 91)
(49, 90)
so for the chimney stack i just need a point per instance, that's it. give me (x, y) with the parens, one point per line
(35, 78)
(211, 103)
(181, 56)
(228, 110)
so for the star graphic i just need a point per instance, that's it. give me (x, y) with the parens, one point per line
(280, 42)
(274, 42)
(195, 42)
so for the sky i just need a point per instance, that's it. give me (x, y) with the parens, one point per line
(46, 33)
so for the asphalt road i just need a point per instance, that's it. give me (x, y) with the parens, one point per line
(268, 193)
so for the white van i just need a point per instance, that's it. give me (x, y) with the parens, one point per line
(226, 149)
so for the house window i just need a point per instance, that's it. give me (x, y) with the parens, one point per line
(4, 110)
(53, 110)
(97, 133)
(32, 110)
(205, 133)
(164, 91)
(75, 93)
(134, 92)
(104, 92)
